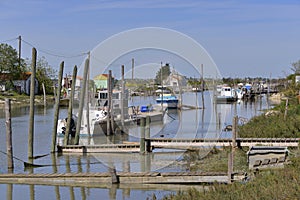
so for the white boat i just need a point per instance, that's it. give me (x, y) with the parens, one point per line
(226, 95)
(98, 114)
(169, 99)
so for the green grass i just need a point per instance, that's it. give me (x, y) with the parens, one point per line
(268, 184)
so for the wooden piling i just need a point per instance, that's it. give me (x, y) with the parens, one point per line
(202, 86)
(142, 139)
(109, 101)
(286, 108)
(70, 108)
(44, 93)
(230, 167)
(122, 97)
(81, 103)
(234, 131)
(56, 107)
(147, 134)
(87, 114)
(9, 151)
(31, 111)
(114, 177)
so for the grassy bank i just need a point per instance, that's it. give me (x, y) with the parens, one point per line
(266, 184)
(23, 99)
(275, 124)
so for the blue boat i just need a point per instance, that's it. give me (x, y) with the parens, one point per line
(169, 99)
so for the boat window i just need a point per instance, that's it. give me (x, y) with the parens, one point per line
(103, 95)
(115, 95)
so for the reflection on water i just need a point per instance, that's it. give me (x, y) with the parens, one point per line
(201, 123)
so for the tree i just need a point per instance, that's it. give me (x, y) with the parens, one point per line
(296, 67)
(162, 73)
(45, 74)
(9, 62)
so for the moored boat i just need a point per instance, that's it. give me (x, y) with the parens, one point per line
(227, 95)
(169, 99)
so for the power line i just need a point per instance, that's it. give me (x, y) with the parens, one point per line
(48, 52)
(9, 40)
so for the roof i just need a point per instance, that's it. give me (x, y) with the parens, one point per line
(7, 76)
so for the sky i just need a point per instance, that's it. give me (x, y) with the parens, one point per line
(258, 38)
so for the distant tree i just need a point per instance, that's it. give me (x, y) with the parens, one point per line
(296, 67)
(45, 74)
(9, 62)
(162, 73)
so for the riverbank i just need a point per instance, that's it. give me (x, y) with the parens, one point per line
(264, 184)
(23, 99)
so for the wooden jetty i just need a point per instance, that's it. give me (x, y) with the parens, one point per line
(121, 178)
(177, 143)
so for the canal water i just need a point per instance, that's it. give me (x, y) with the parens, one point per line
(188, 123)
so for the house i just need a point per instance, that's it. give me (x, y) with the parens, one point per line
(22, 85)
(101, 81)
(67, 84)
(175, 80)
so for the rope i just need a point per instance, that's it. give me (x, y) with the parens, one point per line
(27, 164)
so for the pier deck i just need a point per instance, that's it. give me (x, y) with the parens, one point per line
(122, 178)
(173, 143)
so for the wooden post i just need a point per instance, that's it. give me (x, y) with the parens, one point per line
(114, 176)
(109, 101)
(230, 167)
(81, 103)
(122, 97)
(219, 121)
(31, 112)
(87, 114)
(286, 108)
(132, 65)
(234, 131)
(147, 134)
(44, 92)
(10, 161)
(202, 86)
(56, 107)
(70, 108)
(142, 139)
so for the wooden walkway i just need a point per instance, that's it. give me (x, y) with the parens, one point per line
(204, 142)
(121, 178)
(185, 144)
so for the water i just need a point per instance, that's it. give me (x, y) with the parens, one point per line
(201, 123)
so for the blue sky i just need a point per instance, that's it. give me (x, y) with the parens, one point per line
(244, 38)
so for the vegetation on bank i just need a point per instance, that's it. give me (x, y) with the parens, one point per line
(23, 99)
(268, 183)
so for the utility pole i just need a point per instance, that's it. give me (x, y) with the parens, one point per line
(20, 42)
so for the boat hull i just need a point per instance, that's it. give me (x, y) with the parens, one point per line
(170, 103)
(224, 99)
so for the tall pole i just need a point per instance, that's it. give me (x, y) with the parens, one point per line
(202, 86)
(10, 161)
(81, 103)
(31, 112)
(20, 42)
(122, 97)
(109, 102)
(142, 139)
(132, 65)
(88, 97)
(70, 108)
(162, 87)
(56, 108)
